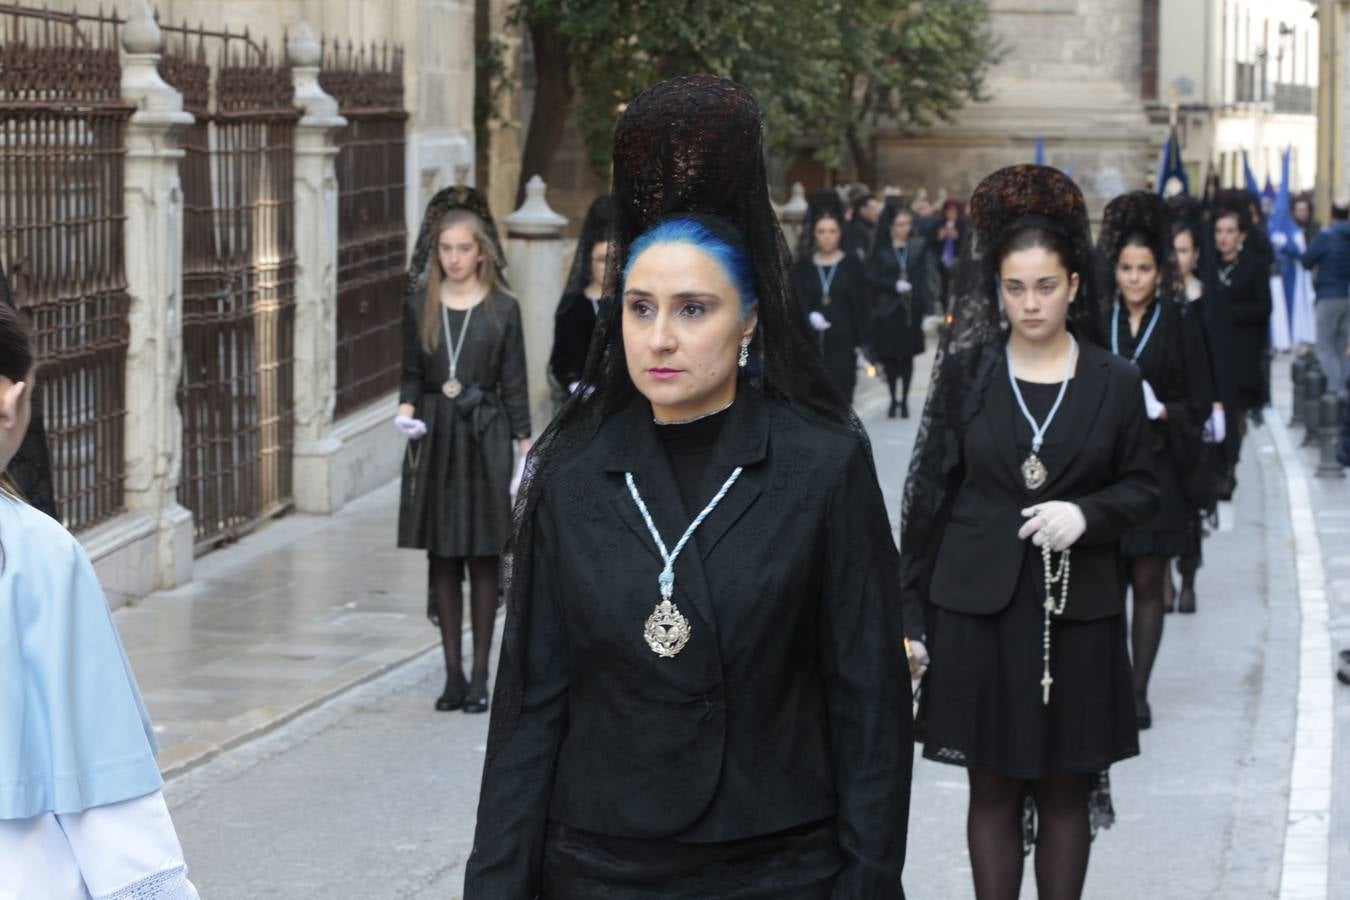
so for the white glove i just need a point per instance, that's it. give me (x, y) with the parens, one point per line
(1279, 239)
(572, 388)
(1216, 428)
(1056, 523)
(918, 658)
(410, 428)
(517, 476)
(818, 321)
(1151, 404)
(902, 286)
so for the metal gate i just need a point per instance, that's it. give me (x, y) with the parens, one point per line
(62, 122)
(372, 234)
(237, 389)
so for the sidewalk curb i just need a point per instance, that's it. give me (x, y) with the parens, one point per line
(187, 755)
(1305, 872)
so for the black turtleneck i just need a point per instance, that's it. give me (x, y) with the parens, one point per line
(691, 448)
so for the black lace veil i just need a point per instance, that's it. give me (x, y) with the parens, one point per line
(443, 202)
(594, 229)
(970, 351)
(689, 145)
(820, 203)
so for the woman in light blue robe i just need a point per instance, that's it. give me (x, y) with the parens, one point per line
(81, 812)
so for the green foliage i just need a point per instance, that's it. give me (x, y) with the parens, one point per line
(822, 69)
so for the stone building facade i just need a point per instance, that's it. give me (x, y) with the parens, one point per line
(1071, 75)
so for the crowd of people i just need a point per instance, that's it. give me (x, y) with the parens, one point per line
(701, 690)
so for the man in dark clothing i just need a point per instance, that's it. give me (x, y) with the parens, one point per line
(863, 225)
(1329, 255)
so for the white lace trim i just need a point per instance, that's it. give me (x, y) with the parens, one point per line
(171, 884)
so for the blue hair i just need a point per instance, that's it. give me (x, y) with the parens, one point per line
(732, 257)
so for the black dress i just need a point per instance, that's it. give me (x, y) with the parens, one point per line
(847, 312)
(1240, 306)
(897, 319)
(456, 499)
(1175, 441)
(573, 324)
(797, 864)
(980, 706)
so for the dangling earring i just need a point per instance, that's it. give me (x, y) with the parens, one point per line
(744, 358)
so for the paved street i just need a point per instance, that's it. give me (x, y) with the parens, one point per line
(372, 794)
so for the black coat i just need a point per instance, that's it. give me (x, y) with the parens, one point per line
(573, 324)
(975, 561)
(790, 703)
(1239, 314)
(897, 321)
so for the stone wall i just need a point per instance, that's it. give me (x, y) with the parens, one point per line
(1071, 76)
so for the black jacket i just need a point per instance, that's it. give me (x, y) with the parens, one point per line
(789, 704)
(974, 563)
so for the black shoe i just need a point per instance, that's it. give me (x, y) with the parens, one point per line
(1343, 674)
(1143, 715)
(1345, 656)
(477, 699)
(904, 408)
(1186, 602)
(452, 697)
(890, 413)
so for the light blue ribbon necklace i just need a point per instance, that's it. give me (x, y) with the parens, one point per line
(666, 630)
(826, 281)
(1143, 340)
(1034, 472)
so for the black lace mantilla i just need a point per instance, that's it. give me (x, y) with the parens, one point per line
(689, 145)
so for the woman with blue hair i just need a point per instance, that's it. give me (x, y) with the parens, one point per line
(701, 692)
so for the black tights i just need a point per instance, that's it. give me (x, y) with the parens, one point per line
(447, 577)
(1146, 628)
(902, 372)
(994, 834)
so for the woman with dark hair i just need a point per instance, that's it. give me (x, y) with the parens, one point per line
(81, 808)
(1202, 487)
(1238, 286)
(683, 708)
(463, 401)
(905, 287)
(31, 468)
(832, 288)
(1030, 464)
(1146, 326)
(821, 202)
(949, 243)
(574, 320)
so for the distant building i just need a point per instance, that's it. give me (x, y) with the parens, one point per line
(1241, 75)
(1072, 75)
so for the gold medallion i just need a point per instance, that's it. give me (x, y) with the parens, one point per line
(825, 299)
(667, 630)
(452, 388)
(1034, 472)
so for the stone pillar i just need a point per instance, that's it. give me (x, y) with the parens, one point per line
(154, 268)
(792, 215)
(316, 253)
(534, 250)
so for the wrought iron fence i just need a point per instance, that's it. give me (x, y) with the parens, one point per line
(372, 234)
(62, 125)
(237, 388)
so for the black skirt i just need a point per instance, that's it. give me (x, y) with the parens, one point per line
(801, 863)
(980, 705)
(1165, 533)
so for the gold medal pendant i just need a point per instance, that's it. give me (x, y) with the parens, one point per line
(1034, 472)
(825, 299)
(666, 630)
(452, 388)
